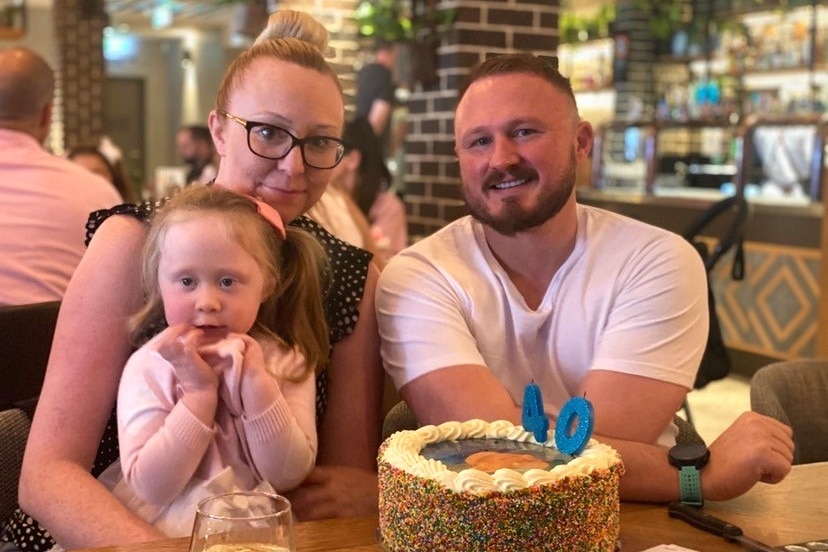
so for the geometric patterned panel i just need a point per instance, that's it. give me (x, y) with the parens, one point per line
(79, 26)
(774, 310)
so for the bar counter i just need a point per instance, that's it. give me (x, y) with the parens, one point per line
(793, 511)
(783, 223)
(779, 311)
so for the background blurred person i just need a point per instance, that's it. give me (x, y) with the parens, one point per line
(337, 212)
(93, 159)
(195, 147)
(375, 91)
(364, 174)
(46, 199)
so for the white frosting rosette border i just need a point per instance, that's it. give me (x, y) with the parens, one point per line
(403, 451)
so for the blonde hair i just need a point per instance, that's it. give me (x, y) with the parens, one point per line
(291, 36)
(294, 270)
(295, 24)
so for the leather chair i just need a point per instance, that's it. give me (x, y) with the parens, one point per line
(399, 418)
(714, 233)
(795, 392)
(14, 430)
(26, 333)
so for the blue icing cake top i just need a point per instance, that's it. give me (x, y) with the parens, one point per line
(512, 454)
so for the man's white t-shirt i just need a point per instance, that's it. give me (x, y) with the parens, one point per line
(630, 298)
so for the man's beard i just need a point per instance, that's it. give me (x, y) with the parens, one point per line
(513, 218)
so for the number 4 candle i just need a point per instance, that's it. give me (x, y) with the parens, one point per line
(577, 412)
(534, 418)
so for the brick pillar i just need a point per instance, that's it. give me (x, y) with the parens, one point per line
(629, 18)
(432, 179)
(645, 49)
(80, 97)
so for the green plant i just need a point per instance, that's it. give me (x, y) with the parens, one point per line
(383, 19)
(604, 20)
(571, 27)
(575, 28)
(666, 16)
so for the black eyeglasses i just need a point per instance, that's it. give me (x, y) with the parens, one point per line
(273, 142)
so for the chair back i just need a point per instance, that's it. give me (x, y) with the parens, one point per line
(794, 392)
(14, 430)
(738, 209)
(26, 333)
(399, 418)
(732, 214)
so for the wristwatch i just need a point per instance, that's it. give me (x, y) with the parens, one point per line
(689, 459)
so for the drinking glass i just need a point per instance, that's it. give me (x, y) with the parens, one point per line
(243, 522)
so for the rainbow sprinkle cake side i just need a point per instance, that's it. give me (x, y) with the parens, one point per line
(571, 508)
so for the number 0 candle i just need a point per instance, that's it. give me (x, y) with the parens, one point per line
(574, 442)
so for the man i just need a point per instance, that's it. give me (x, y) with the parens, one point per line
(195, 147)
(46, 200)
(535, 287)
(375, 91)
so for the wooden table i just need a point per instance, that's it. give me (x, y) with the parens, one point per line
(795, 510)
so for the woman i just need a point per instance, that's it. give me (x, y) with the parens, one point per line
(93, 159)
(363, 174)
(288, 85)
(335, 210)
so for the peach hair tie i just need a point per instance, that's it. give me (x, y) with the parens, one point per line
(271, 215)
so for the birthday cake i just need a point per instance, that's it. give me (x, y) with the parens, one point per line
(480, 486)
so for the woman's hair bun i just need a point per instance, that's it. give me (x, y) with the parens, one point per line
(295, 24)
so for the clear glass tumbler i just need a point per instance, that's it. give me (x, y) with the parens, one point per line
(243, 522)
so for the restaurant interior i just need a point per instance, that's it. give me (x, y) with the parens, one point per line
(681, 122)
(693, 102)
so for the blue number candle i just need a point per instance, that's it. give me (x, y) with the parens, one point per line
(574, 443)
(534, 418)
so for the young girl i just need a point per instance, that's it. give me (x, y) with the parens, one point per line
(217, 402)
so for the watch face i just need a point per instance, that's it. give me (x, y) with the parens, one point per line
(688, 454)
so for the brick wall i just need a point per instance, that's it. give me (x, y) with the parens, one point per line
(481, 27)
(639, 83)
(347, 49)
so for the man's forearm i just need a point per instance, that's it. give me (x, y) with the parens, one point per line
(648, 475)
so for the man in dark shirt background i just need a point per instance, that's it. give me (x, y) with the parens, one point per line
(375, 91)
(195, 147)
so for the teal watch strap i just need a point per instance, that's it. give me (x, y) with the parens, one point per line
(690, 485)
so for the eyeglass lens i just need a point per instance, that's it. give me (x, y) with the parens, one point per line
(273, 142)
